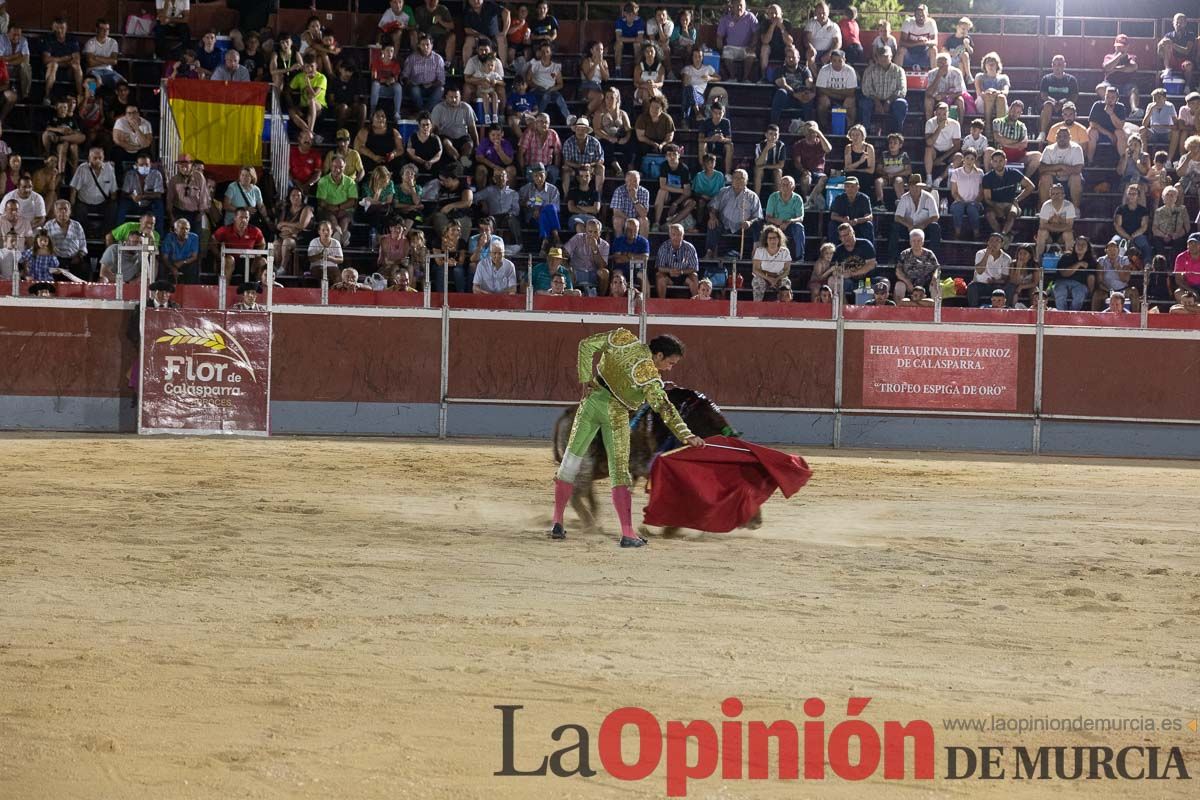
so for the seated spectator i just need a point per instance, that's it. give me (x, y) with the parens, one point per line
(348, 279)
(593, 70)
(142, 193)
(385, 77)
(553, 268)
(1004, 188)
(503, 204)
(425, 74)
(851, 36)
(231, 69)
(795, 89)
(485, 20)
(580, 150)
(1177, 51)
(966, 184)
(1074, 276)
(540, 145)
(770, 155)
(1170, 227)
(583, 203)
(241, 235)
(655, 131)
(254, 58)
(286, 63)
(879, 291)
(919, 41)
(858, 158)
(649, 75)
(629, 253)
(1114, 275)
(295, 218)
(915, 267)
(144, 225)
(244, 193)
(1079, 133)
(822, 276)
(959, 45)
(674, 195)
(545, 80)
(892, 169)
(355, 167)
(737, 33)
(394, 248)
(325, 255)
(1187, 267)
(619, 287)
(68, 238)
(425, 147)
(48, 180)
(336, 195)
(716, 135)
(378, 198)
(684, 38)
(451, 251)
(180, 253)
(187, 192)
(131, 134)
(822, 36)
(704, 290)
(676, 263)
(495, 153)
(1187, 303)
(539, 205)
(1058, 88)
(60, 51)
(11, 221)
(409, 204)
(734, 211)
(853, 207)
(1159, 120)
(808, 160)
(31, 206)
(313, 42)
(1187, 124)
(775, 38)
(433, 21)
(520, 106)
(1011, 136)
(992, 271)
(706, 184)
(1188, 167)
(14, 52)
(883, 91)
(917, 209)
(771, 263)
(1107, 120)
(1131, 221)
(486, 81)
(401, 281)
(837, 83)
(249, 293)
(1062, 161)
(304, 163)
(614, 130)
(630, 199)
(944, 84)
(785, 210)
(102, 53)
(116, 261)
(308, 97)
(587, 255)
(345, 95)
(61, 137)
(991, 89)
(1120, 70)
(558, 288)
(1025, 273)
(455, 122)
(853, 259)
(448, 199)
(479, 245)
(12, 247)
(629, 29)
(1056, 222)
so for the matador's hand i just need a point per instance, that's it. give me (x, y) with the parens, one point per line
(694, 441)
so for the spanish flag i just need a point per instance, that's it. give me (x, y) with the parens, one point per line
(219, 122)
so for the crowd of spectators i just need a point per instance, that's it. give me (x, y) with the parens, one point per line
(457, 140)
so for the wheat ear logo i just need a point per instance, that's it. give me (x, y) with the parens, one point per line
(216, 339)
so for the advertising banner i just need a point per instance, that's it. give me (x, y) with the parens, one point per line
(952, 371)
(205, 371)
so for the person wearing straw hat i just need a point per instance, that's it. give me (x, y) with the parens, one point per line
(630, 374)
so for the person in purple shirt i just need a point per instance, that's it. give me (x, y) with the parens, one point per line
(736, 35)
(495, 152)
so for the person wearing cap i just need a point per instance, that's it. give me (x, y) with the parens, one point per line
(1187, 124)
(944, 84)
(581, 149)
(425, 74)
(540, 200)
(916, 209)
(554, 266)
(795, 89)
(1004, 188)
(353, 166)
(943, 138)
(180, 253)
(249, 293)
(1120, 69)
(1187, 267)
(1159, 121)
(1062, 162)
(837, 84)
(918, 40)
(337, 195)
(455, 122)
(1057, 88)
(853, 207)
(992, 270)
(880, 289)
(241, 235)
(883, 91)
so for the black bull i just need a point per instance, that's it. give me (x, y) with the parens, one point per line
(648, 436)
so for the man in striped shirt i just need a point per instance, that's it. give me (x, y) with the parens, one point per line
(676, 263)
(580, 149)
(425, 73)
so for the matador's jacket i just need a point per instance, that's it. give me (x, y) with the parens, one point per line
(624, 379)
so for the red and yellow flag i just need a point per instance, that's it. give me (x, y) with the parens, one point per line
(219, 122)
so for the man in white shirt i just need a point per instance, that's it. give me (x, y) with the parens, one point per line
(1062, 160)
(30, 204)
(101, 52)
(917, 209)
(918, 40)
(943, 137)
(1056, 221)
(992, 267)
(94, 191)
(836, 85)
(824, 36)
(497, 275)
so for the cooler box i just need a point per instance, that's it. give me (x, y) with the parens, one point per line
(1173, 85)
(837, 121)
(267, 119)
(713, 59)
(407, 128)
(916, 81)
(1050, 262)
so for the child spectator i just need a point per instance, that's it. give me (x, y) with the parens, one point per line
(892, 168)
(521, 106)
(959, 45)
(851, 36)
(696, 77)
(385, 77)
(771, 155)
(395, 23)
(630, 30)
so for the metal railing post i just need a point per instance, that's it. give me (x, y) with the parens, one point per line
(444, 381)
(1145, 308)
(645, 293)
(222, 283)
(839, 357)
(936, 288)
(1039, 344)
(529, 282)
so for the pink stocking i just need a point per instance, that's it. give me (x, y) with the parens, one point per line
(623, 501)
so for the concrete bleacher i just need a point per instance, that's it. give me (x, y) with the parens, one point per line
(1023, 54)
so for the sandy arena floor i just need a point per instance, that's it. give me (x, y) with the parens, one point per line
(337, 618)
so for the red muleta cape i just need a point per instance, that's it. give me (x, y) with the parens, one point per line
(717, 490)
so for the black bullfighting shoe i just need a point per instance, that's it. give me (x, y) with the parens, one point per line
(558, 532)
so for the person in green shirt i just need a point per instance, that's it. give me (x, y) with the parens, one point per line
(629, 374)
(308, 88)
(337, 194)
(553, 265)
(785, 210)
(144, 224)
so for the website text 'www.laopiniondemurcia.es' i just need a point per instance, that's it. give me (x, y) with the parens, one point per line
(816, 749)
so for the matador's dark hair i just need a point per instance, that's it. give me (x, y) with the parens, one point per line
(667, 345)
